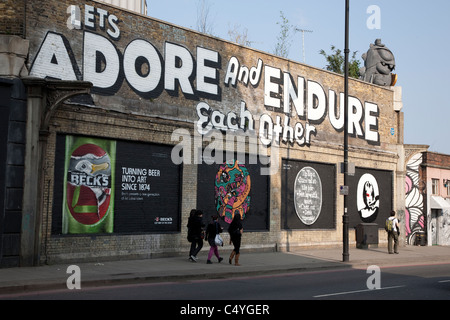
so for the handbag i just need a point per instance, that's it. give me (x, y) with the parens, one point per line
(218, 240)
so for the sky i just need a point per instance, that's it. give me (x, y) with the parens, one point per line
(417, 32)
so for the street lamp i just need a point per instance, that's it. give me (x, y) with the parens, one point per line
(345, 253)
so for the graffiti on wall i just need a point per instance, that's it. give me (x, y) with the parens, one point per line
(368, 196)
(414, 210)
(149, 68)
(235, 185)
(232, 189)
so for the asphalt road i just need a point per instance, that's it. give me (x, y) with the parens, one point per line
(429, 282)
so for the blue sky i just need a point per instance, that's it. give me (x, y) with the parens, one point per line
(416, 31)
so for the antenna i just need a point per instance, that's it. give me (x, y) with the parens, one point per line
(303, 40)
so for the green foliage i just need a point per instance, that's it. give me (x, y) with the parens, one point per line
(336, 62)
(283, 39)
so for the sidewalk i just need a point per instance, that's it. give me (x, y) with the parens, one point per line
(13, 280)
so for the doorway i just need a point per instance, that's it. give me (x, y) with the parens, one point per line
(434, 223)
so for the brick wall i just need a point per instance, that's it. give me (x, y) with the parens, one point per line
(12, 17)
(121, 113)
(436, 159)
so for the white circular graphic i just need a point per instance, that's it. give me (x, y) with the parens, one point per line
(308, 195)
(367, 199)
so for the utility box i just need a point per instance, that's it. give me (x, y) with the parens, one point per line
(421, 239)
(366, 234)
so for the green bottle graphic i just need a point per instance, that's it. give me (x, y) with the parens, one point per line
(89, 185)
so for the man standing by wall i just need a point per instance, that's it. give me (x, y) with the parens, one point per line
(393, 230)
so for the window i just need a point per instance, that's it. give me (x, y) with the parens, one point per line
(435, 186)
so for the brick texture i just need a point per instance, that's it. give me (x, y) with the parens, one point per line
(126, 115)
(12, 17)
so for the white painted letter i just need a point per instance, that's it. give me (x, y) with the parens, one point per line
(179, 66)
(74, 22)
(316, 101)
(371, 122)
(336, 122)
(255, 73)
(202, 119)
(232, 71)
(355, 114)
(270, 87)
(94, 44)
(296, 96)
(205, 72)
(265, 125)
(53, 59)
(141, 48)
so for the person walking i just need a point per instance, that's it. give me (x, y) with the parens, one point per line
(213, 229)
(235, 230)
(195, 233)
(393, 230)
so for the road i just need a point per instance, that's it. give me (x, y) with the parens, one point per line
(426, 282)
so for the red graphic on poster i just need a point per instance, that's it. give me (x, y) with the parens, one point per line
(89, 184)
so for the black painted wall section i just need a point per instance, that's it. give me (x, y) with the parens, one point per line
(12, 156)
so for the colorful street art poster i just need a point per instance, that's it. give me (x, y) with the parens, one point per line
(89, 173)
(370, 198)
(308, 195)
(234, 186)
(232, 190)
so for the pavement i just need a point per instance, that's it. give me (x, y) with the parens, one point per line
(54, 277)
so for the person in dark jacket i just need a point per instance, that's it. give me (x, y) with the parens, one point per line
(195, 233)
(235, 230)
(212, 230)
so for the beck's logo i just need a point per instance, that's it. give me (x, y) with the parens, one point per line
(89, 184)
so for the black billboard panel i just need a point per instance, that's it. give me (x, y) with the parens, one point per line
(148, 188)
(370, 198)
(234, 187)
(137, 183)
(308, 195)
